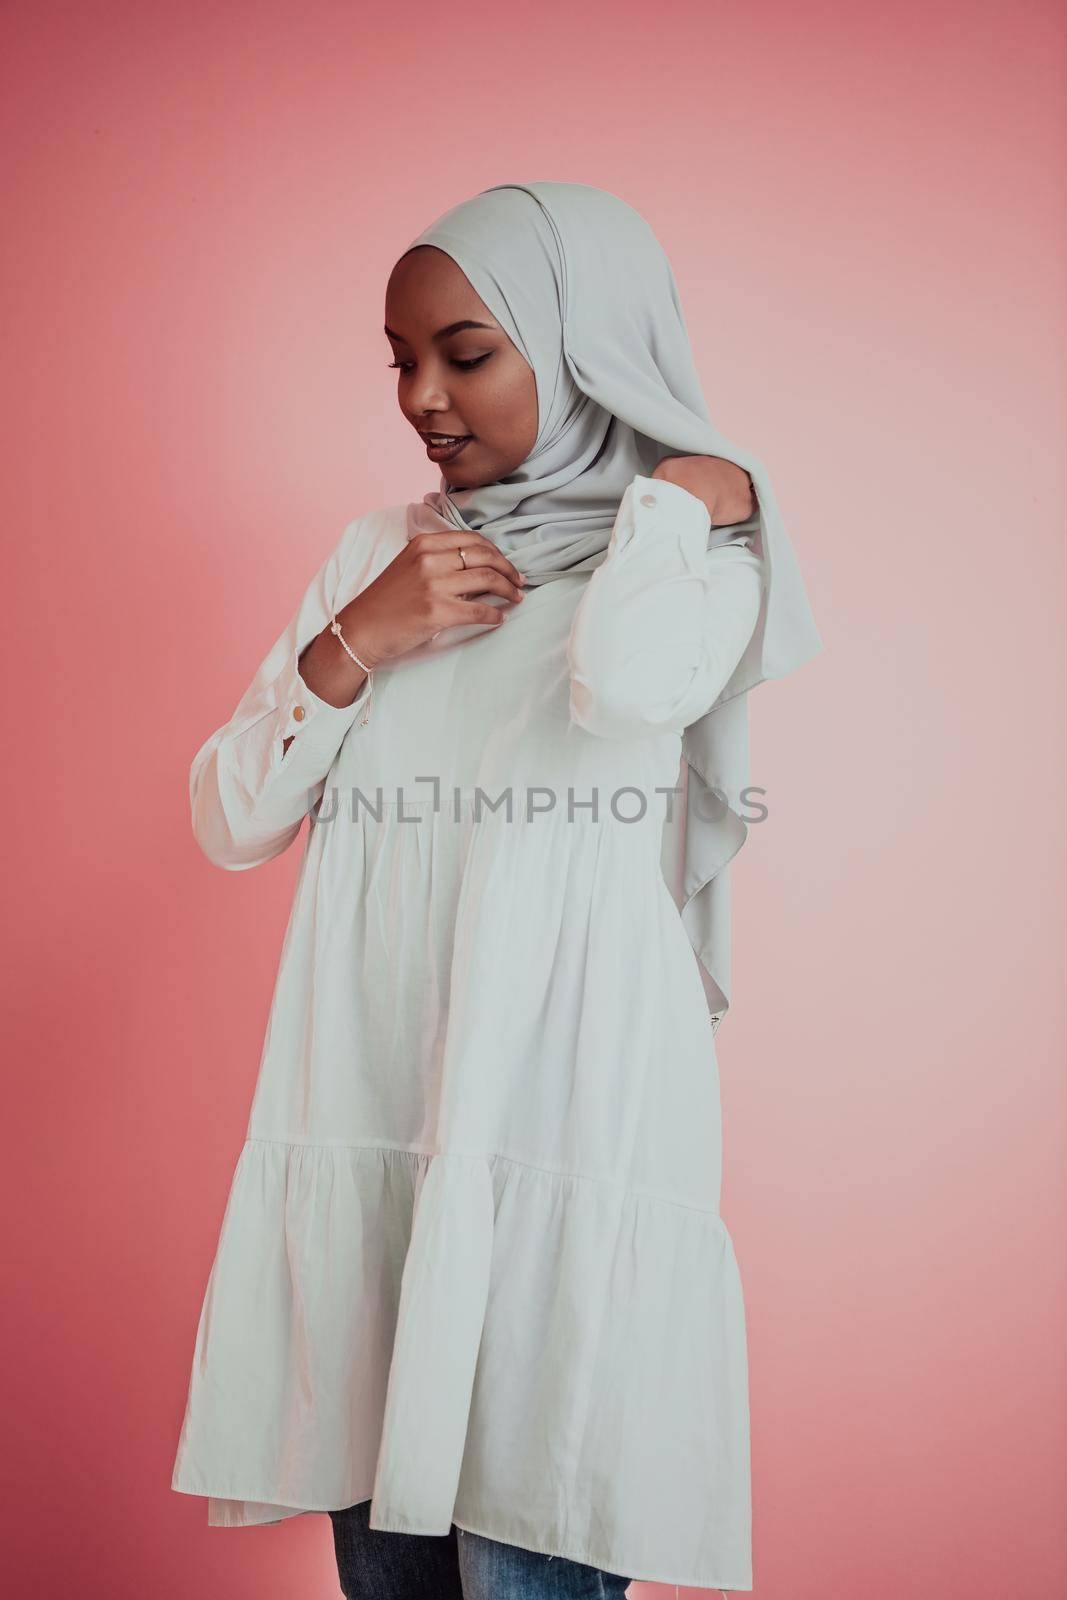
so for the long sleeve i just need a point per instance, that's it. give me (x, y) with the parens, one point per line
(663, 621)
(248, 794)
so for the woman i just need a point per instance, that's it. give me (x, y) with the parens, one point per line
(473, 1295)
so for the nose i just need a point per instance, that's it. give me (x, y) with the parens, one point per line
(426, 397)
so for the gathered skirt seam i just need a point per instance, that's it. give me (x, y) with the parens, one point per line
(492, 1156)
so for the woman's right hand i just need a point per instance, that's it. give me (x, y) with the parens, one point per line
(426, 588)
(423, 589)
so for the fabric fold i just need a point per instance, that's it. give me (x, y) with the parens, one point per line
(443, 1295)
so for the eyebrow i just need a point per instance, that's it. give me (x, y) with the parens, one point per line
(444, 333)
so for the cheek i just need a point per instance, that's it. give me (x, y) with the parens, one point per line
(508, 405)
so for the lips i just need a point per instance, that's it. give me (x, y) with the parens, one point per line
(443, 447)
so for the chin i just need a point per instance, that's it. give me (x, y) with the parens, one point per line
(463, 480)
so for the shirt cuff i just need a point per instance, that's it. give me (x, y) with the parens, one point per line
(317, 730)
(666, 509)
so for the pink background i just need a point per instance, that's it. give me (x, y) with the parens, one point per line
(862, 204)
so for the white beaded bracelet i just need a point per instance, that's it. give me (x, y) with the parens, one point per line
(335, 629)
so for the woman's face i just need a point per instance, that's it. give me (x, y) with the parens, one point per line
(454, 379)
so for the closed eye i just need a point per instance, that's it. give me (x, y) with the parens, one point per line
(464, 366)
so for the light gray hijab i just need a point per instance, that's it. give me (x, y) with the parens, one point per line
(581, 285)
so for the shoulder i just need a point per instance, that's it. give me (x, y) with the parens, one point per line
(366, 547)
(370, 526)
(373, 532)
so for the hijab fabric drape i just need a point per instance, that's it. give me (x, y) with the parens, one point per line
(581, 285)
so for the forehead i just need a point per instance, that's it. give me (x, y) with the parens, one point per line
(427, 285)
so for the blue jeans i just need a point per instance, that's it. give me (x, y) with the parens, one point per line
(375, 1565)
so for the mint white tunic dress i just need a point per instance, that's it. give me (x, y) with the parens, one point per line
(472, 1266)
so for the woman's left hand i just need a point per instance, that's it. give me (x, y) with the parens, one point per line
(725, 488)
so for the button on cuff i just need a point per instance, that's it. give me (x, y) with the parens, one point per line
(669, 503)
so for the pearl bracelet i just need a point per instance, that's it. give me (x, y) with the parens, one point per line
(335, 629)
